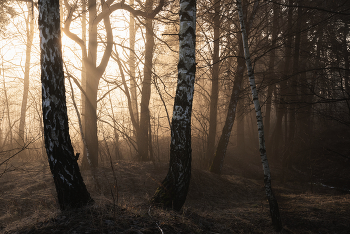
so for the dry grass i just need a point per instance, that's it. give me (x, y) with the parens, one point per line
(216, 204)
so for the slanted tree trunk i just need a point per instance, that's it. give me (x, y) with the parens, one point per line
(70, 187)
(274, 210)
(219, 156)
(214, 86)
(173, 190)
(30, 36)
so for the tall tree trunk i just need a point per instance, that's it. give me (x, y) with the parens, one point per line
(70, 187)
(9, 133)
(93, 75)
(91, 88)
(83, 80)
(174, 188)
(274, 210)
(30, 36)
(271, 69)
(143, 136)
(132, 66)
(281, 110)
(219, 156)
(240, 118)
(293, 87)
(214, 85)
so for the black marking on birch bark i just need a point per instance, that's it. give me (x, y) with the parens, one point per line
(192, 69)
(188, 31)
(69, 184)
(184, 16)
(191, 4)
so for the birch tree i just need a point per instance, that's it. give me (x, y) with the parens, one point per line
(274, 210)
(173, 190)
(70, 187)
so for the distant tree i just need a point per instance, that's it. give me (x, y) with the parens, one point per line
(6, 12)
(30, 36)
(174, 188)
(94, 72)
(214, 84)
(70, 187)
(220, 153)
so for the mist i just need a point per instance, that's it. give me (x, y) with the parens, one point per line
(143, 117)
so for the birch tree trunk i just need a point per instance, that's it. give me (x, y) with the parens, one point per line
(174, 188)
(70, 187)
(274, 210)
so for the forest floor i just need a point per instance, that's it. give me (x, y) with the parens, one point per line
(232, 203)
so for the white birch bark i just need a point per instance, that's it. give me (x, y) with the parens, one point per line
(70, 187)
(274, 211)
(173, 190)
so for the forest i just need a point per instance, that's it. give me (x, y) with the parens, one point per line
(162, 116)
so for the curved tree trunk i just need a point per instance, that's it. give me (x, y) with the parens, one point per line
(70, 187)
(274, 210)
(173, 190)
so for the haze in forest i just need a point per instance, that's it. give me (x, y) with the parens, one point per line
(163, 93)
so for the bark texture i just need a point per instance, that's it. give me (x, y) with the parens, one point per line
(173, 190)
(274, 210)
(70, 187)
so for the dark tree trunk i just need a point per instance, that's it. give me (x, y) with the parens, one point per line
(93, 75)
(91, 91)
(271, 70)
(143, 136)
(70, 187)
(214, 86)
(281, 111)
(173, 190)
(219, 156)
(294, 83)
